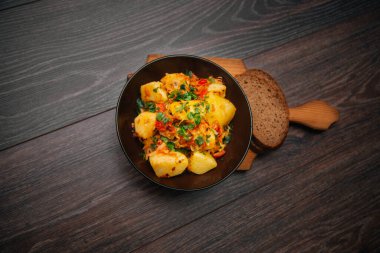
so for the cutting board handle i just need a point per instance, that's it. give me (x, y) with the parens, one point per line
(315, 114)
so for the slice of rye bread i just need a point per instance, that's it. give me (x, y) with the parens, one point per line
(270, 111)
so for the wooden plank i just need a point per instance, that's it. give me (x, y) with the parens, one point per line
(76, 66)
(315, 58)
(334, 207)
(73, 189)
(10, 4)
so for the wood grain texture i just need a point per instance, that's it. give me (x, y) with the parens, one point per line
(329, 199)
(73, 190)
(294, 214)
(315, 114)
(64, 61)
(340, 61)
(11, 4)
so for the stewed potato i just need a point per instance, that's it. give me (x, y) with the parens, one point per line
(145, 124)
(174, 81)
(200, 162)
(153, 92)
(184, 123)
(181, 109)
(217, 89)
(222, 110)
(168, 164)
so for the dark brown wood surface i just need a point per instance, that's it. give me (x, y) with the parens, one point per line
(65, 61)
(66, 185)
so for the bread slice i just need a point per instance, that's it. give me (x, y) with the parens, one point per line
(270, 111)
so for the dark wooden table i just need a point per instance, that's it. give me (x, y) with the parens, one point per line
(66, 185)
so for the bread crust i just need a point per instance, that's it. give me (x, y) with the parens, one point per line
(269, 108)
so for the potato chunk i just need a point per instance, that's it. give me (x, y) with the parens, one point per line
(222, 110)
(145, 124)
(200, 162)
(174, 81)
(181, 109)
(168, 164)
(217, 89)
(153, 92)
(207, 133)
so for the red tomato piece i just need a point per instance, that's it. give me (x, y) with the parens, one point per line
(203, 93)
(219, 154)
(202, 81)
(160, 126)
(161, 107)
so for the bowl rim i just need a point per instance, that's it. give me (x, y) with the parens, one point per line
(128, 80)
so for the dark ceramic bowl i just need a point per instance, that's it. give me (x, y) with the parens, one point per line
(154, 71)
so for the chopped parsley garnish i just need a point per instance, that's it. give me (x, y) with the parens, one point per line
(184, 151)
(189, 126)
(199, 140)
(140, 103)
(207, 107)
(195, 116)
(180, 108)
(178, 96)
(151, 106)
(190, 115)
(183, 86)
(197, 119)
(155, 89)
(211, 79)
(148, 106)
(164, 139)
(170, 145)
(187, 96)
(172, 94)
(227, 139)
(181, 131)
(161, 117)
(189, 73)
